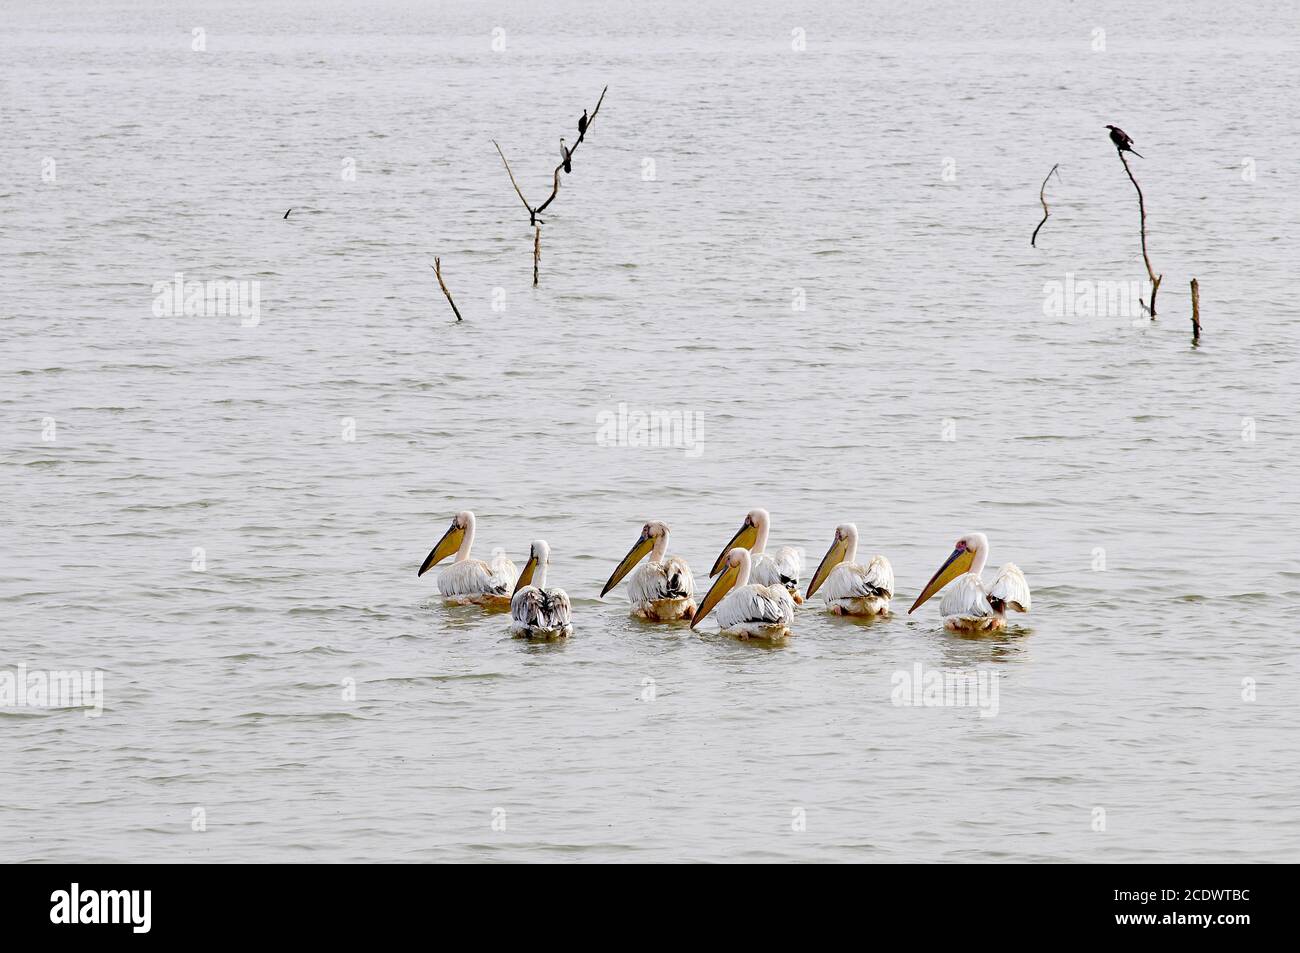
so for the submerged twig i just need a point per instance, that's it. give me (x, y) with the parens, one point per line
(1142, 212)
(437, 270)
(1033, 239)
(1196, 312)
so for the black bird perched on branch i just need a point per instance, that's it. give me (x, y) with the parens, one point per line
(1123, 141)
(582, 125)
(565, 156)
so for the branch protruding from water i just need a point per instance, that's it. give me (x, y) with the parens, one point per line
(437, 270)
(1142, 212)
(1196, 312)
(1033, 239)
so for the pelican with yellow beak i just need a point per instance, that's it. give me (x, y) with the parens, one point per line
(470, 581)
(535, 611)
(967, 607)
(780, 569)
(852, 589)
(747, 610)
(662, 590)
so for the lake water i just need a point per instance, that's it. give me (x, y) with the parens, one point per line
(820, 255)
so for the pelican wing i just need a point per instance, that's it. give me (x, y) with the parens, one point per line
(669, 579)
(1009, 589)
(473, 577)
(965, 597)
(767, 605)
(547, 609)
(504, 573)
(852, 581)
(789, 565)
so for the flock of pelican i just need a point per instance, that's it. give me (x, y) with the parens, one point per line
(754, 593)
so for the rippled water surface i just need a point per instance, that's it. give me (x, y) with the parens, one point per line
(727, 177)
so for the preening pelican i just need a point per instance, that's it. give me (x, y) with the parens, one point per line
(470, 580)
(968, 607)
(852, 589)
(781, 569)
(535, 611)
(662, 590)
(748, 610)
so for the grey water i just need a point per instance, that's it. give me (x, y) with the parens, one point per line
(801, 227)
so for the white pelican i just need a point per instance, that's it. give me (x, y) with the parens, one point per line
(662, 590)
(748, 610)
(535, 611)
(470, 580)
(969, 608)
(783, 569)
(852, 589)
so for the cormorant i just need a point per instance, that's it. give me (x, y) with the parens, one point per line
(564, 156)
(582, 125)
(1123, 141)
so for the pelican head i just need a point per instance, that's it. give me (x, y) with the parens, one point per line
(539, 556)
(653, 538)
(462, 526)
(752, 535)
(969, 554)
(843, 549)
(735, 573)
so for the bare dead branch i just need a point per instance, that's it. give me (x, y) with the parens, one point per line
(533, 220)
(1033, 239)
(537, 250)
(1142, 212)
(1196, 312)
(437, 270)
(590, 119)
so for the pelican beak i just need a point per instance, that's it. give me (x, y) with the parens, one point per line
(959, 562)
(721, 586)
(449, 543)
(634, 555)
(526, 577)
(745, 538)
(834, 556)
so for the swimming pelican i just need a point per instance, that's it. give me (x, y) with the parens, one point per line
(535, 611)
(852, 589)
(782, 569)
(969, 608)
(662, 590)
(470, 580)
(745, 609)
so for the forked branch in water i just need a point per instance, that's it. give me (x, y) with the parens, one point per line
(534, 212)
(1033, 239)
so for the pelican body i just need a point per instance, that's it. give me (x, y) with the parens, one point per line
(851, 589)
(747, 610)
(535, 611)
(968, 608)
(466, 580)
(662, 590)
(782, 568)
